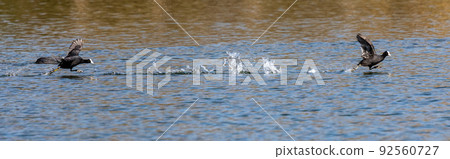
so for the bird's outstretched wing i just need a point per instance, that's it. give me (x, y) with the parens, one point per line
(367, 48)
(75, 47)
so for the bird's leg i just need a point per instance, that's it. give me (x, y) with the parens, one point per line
(356, 67)
(54, 70)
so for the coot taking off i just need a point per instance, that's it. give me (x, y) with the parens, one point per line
(71, 60)
(370, 58)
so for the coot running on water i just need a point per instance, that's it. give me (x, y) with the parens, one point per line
(370, 58)
(71, 60)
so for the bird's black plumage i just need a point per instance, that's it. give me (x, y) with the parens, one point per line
(370, 58)
(49, 60)
(71, 60)
(75, 47)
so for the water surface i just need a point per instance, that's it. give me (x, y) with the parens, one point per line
(406, 99)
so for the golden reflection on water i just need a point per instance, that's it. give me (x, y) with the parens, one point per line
(143, 23)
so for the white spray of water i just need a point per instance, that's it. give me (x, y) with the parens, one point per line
(15, 73)
(348, 70)
(155, 67)
(234, 62)
(269, 67)
(205, 69)
(312, 71)
(236, 66)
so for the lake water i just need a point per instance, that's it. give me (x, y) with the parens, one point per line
(407, 99)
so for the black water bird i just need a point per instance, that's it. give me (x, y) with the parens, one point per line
(370, 58)
(70, 61)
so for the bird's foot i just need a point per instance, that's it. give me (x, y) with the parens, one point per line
(77, 70)
(378, 66)
(355, 68)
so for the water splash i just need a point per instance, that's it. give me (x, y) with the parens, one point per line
(15, 73)
(312, 70)
(156, 67)
(235, 65)
(269, 67)
(348, 70)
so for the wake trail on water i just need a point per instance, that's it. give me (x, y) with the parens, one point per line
(232, 64)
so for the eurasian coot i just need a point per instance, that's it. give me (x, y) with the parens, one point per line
(370, 58)
(71, 60)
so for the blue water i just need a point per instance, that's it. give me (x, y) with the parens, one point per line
(407, 99)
